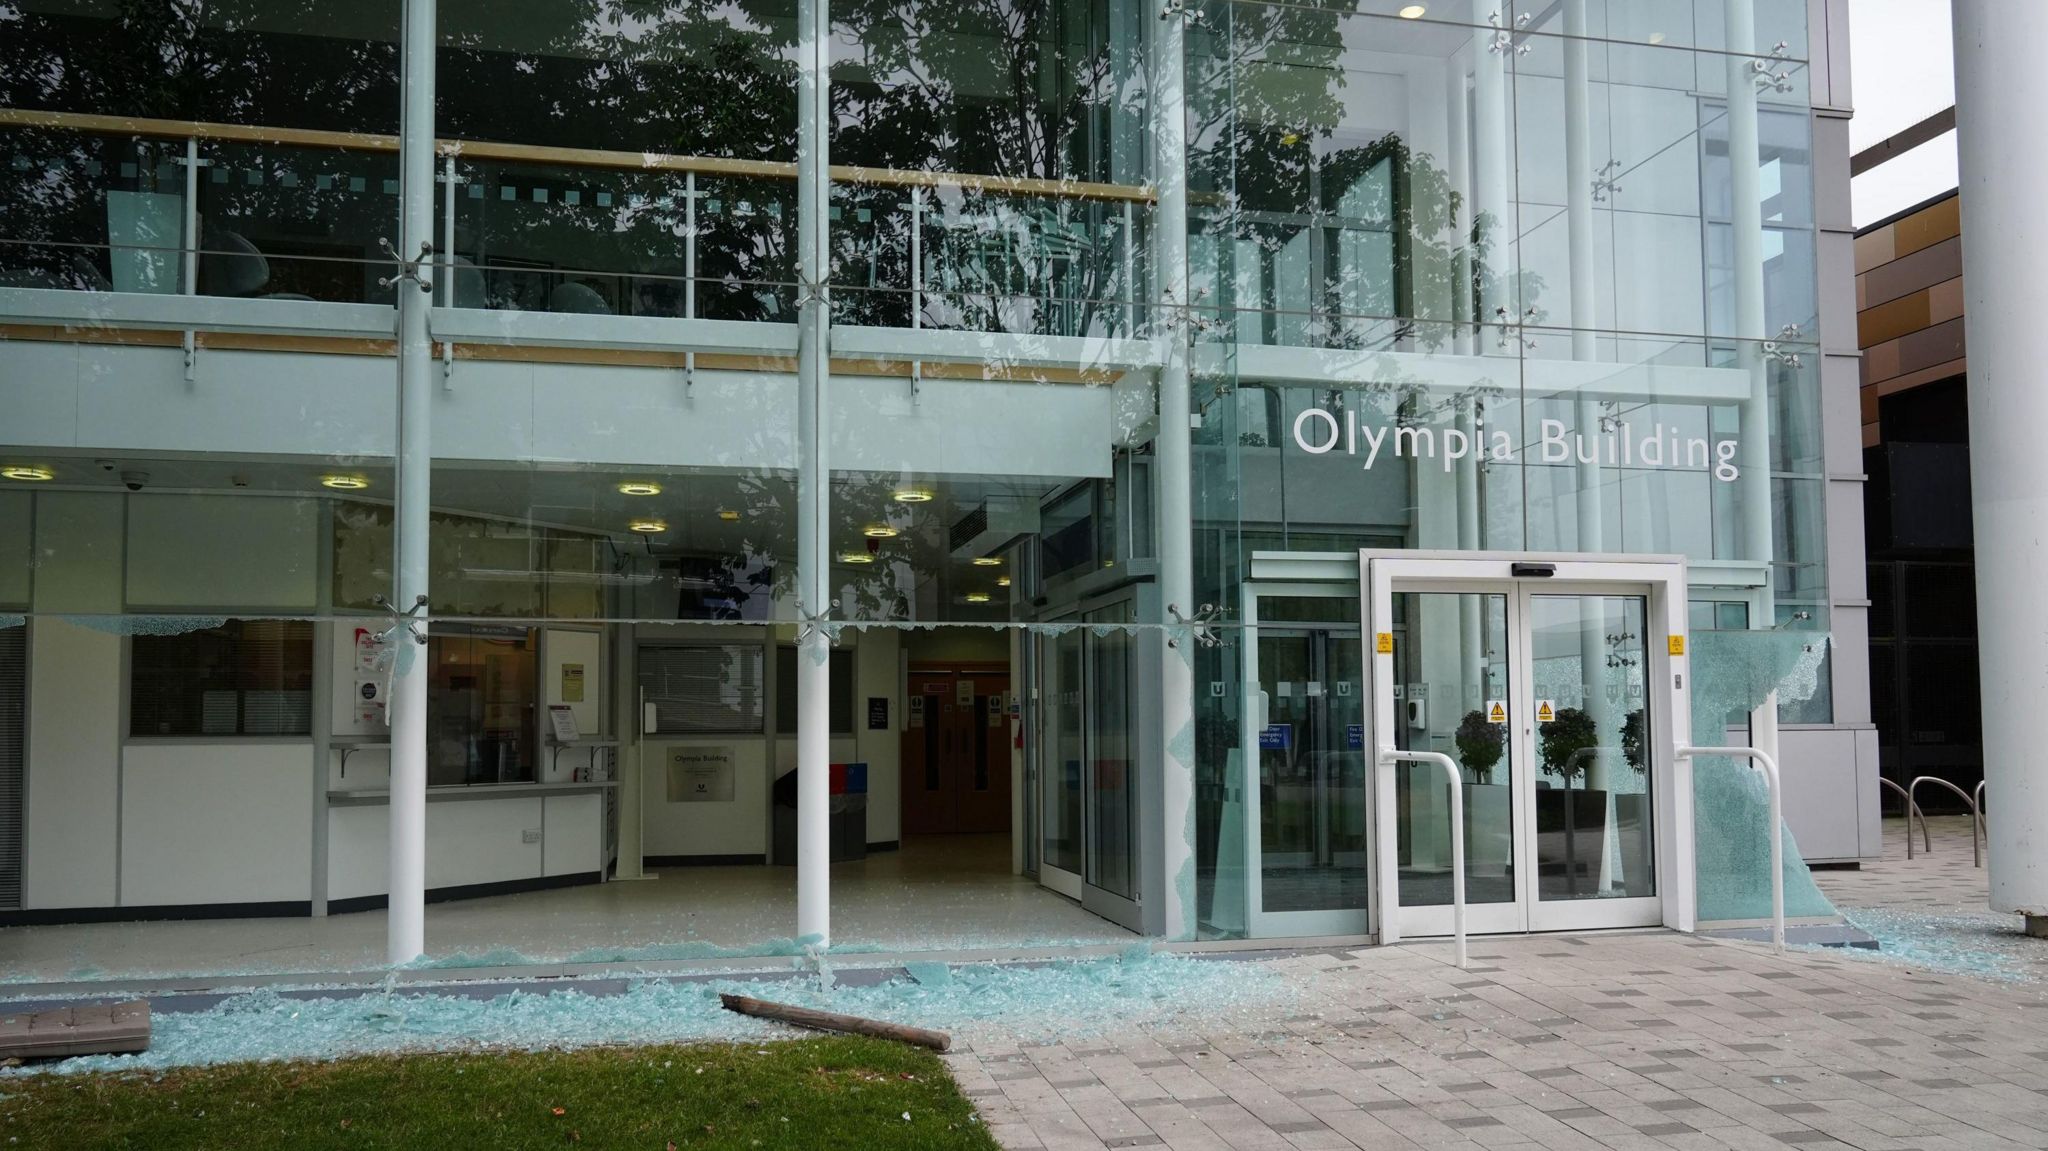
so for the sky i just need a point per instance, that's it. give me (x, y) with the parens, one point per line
(1902, 70)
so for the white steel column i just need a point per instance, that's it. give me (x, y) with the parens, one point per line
(1490, 170)
(2001, 88)
(813, 483)
(1746, 223)
(1585, 320)
(1175, 473)
(406, 928)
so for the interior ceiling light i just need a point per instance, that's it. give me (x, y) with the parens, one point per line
(1003, 582)
(344, 483)
(648, 527)
(32, 473)
(977, 597)
(987, 562)
(913, 496)
(1656, 37)
(639, 488)
(856, 558)
(1412, 11)
(728, 515)
(879, 532)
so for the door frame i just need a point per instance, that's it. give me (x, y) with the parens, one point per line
(1123, 911)
(1662, 581)
(1252, 716)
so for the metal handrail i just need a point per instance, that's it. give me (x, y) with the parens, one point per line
(1388, 758)
(1977, 797)
(1976, 851)
(1769, 767)
(1906, 797)
(1058, 189)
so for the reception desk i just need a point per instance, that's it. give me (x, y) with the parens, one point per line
(486, 839)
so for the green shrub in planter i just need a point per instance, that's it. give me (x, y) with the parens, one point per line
(1571, 732)
(1480, 745)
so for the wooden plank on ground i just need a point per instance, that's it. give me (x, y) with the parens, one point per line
(84, 1029)
(833, 1021)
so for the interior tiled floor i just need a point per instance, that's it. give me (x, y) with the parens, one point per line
(937, 893)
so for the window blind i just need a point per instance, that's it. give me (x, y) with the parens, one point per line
(704, 688)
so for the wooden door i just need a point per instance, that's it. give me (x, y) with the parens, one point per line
(956, 753)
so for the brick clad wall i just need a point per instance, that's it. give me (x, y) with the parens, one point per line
(1909, 304)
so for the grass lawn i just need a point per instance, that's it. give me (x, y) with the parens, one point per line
(811, 1095)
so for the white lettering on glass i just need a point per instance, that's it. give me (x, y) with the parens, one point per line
(1622, 445)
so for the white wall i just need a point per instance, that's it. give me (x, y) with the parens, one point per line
(78, 550)
(736, 828)
(321, 406)
(223, 551)
(876, 662)
(215, 823)
(561, 646)
(17, 547)
(74, 757)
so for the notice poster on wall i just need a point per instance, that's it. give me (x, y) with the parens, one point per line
(878, 713)
(572, 683)
(700, 774)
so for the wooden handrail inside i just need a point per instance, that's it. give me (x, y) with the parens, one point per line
(571, 157)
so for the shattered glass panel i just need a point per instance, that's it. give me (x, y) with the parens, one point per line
(1732, 672)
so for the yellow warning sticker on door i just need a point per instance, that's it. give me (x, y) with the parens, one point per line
(1677, 645)
(1496, 711)
(1545, 713)
(1383, 642)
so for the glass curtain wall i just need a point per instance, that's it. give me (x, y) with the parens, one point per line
(1483, 280)
(193, 491)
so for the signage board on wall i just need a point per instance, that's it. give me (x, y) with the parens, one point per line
(700, 774)
(878, 713)
(572, 683)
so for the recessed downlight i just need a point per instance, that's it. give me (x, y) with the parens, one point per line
(977, 597)
(345, 483)
(1656, 37)
(729, 515)
(639, 488)
(1413, 11)
(912, 495)
(28, 473)
(988, 561)
(856, 558)
(880, 532)
(1003, 582)
(648, 527)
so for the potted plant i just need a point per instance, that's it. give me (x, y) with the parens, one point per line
(1488, 839)
(1479, 746)
(1575, 821)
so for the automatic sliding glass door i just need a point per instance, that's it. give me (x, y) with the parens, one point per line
(1304, 737)
(1549, 694)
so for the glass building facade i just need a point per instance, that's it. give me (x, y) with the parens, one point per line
(472, 450)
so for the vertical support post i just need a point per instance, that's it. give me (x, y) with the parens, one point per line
(406, 926)
(1585, 321)
(189, 271)
(1174, 468)
(2000, 87)
(451, 179)
(916, 256)
(1746, 224)
(1490, 162)
(690, 273)
(813, 679)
